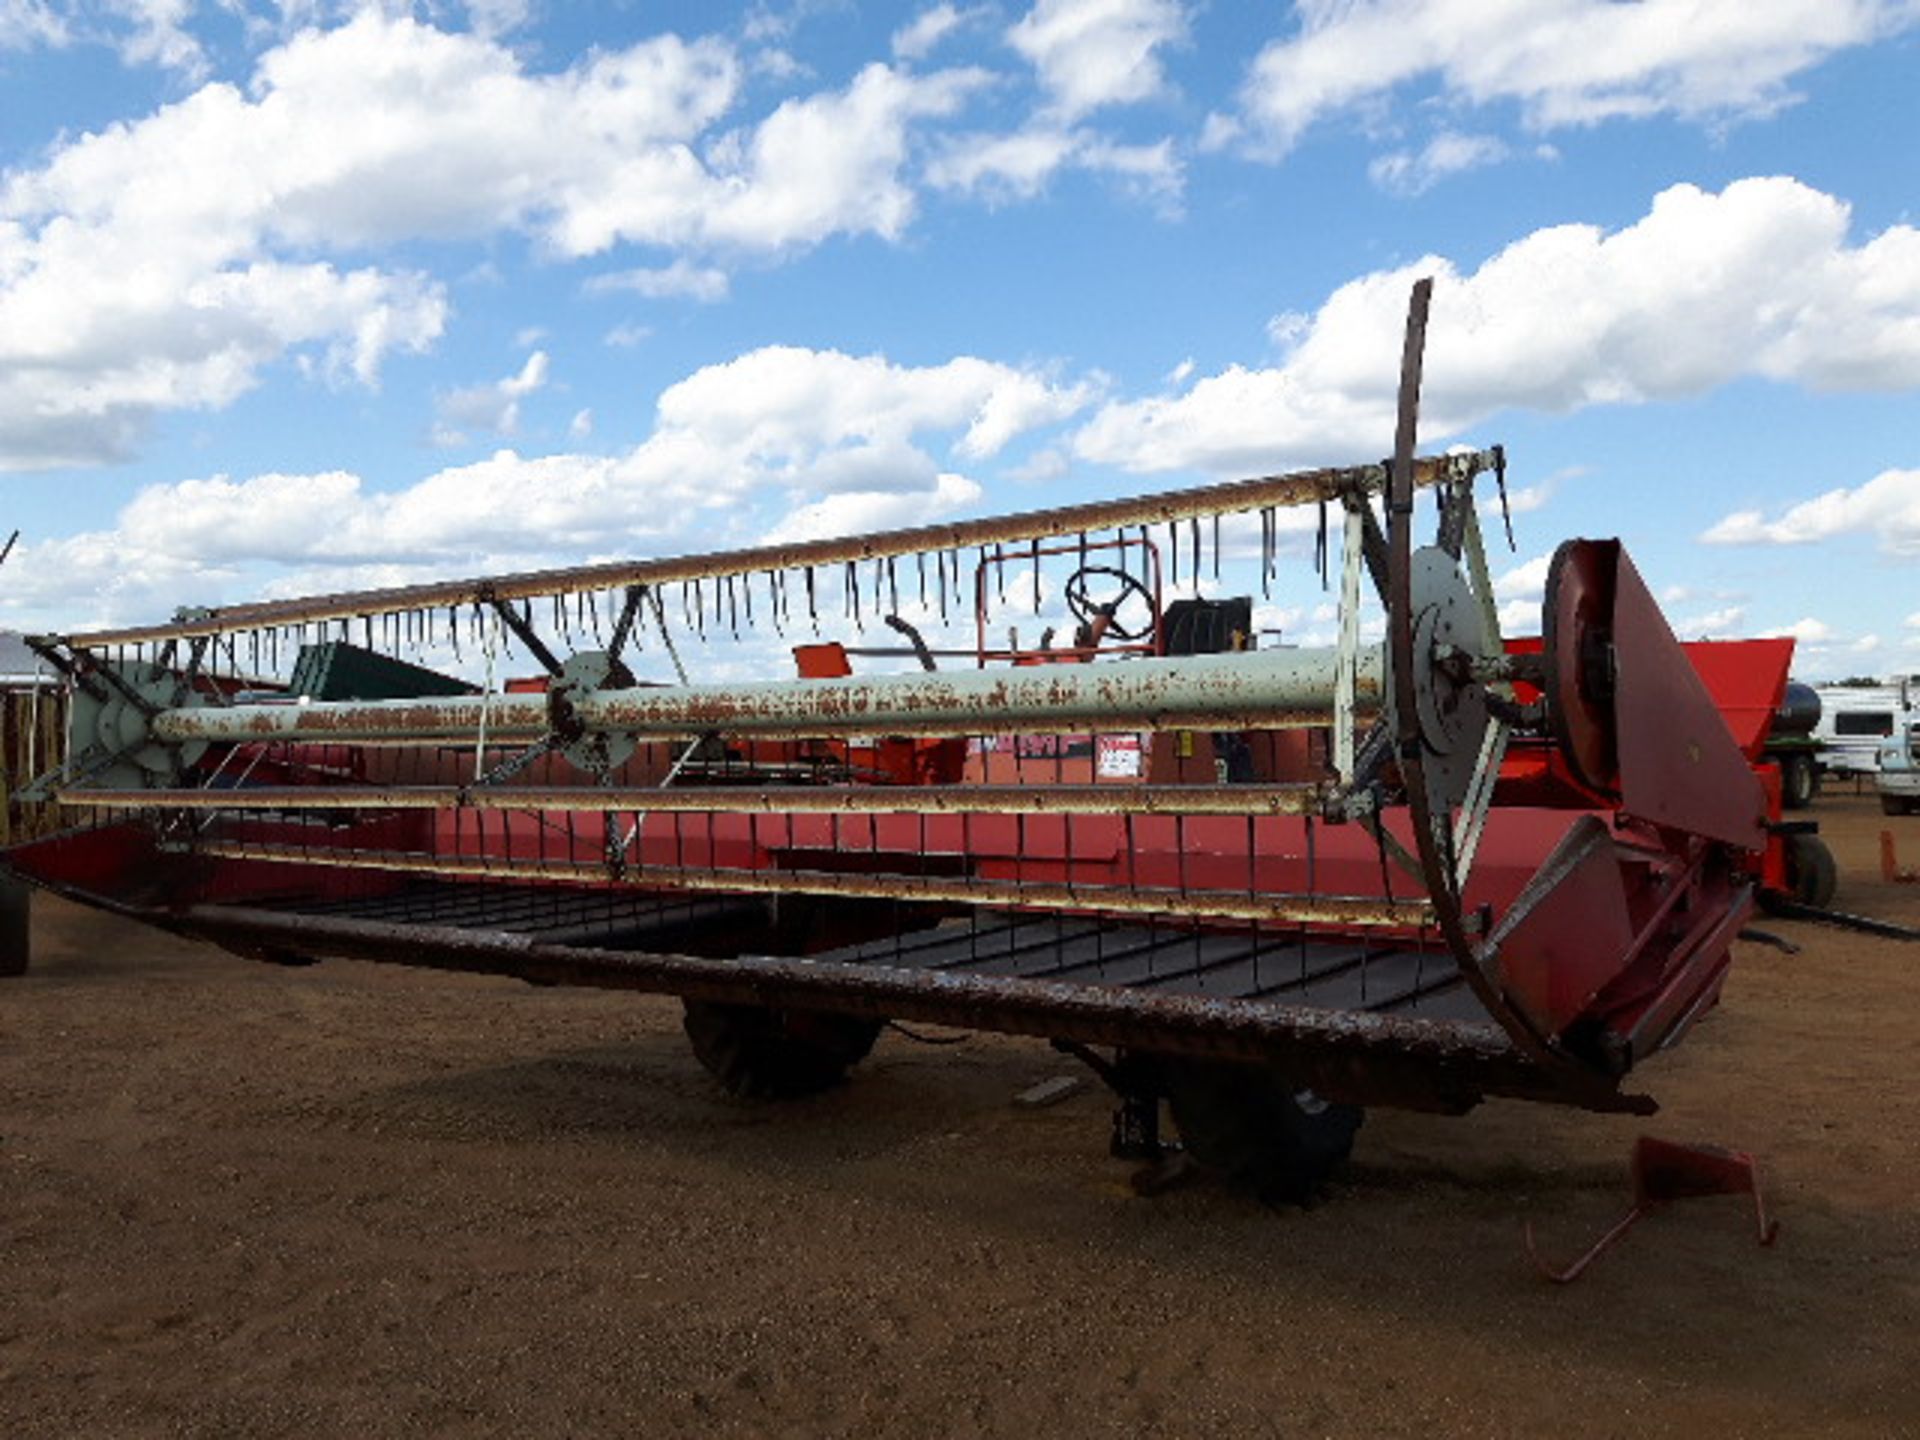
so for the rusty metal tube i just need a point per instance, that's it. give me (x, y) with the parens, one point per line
(1336, 911)
(1114, 798)
(1302, 487)
(1272, 689)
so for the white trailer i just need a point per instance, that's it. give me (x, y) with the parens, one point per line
(1854, 719)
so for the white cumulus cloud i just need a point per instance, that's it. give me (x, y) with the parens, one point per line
(1886, 507)
(1019, 164)
(1091, 53)
(1568, 316)
(1563, 62)
(493, 407)
(920, 36)
(1806, 630)
(780, 440)
(682, 279)
(25, 24)
(161, 263)
(1448, 153)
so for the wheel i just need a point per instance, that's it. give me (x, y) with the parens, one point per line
(1259, 1129)
(767, 1054)
(16, 925)
(1812, 876)
(1892, 805)
(1796, 782)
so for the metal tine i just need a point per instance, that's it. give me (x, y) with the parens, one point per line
(999, 570)
(920, 561)
(940, 565)
(893, 587)
(1320, 557)
(1036, 576)
(853, 594)
(1193, 537)
(733, 609)
(813, 606)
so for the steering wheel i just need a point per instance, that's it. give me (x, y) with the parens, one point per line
(1086, 609)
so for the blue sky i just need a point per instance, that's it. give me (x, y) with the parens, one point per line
(303, 295)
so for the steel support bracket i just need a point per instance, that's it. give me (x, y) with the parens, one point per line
(1665, 1171)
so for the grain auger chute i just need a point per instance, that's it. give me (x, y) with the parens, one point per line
(1404, 864)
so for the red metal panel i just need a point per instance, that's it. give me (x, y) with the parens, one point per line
(825, 661)
(1679, 763)
(1573, 935)
(1747, 679)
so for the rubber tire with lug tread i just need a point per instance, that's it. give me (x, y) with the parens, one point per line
(1797, 782)
(1812, 875)
(1259, 1129)
(16, 925)
(765, 1054)
(1892, 805)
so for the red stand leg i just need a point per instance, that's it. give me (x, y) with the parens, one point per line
(1662, 1173)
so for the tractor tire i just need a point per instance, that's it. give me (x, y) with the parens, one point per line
(16, 925)
(764, 1054)
(1892, 805)
(1258, 1129)
(1812, 875)
(1798, 783)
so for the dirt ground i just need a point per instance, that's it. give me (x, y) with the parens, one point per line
(363, 1200)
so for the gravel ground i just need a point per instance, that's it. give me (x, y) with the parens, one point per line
(360, 1200)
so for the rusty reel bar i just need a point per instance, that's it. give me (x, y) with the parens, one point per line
(1179, 508)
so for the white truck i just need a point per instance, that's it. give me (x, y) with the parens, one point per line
(1898, 780)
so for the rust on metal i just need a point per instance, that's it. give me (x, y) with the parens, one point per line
(1244, 690)
(1432, 826)
(1341, 1054)
(1231, 497)
(1107, 799)
(1358, 911)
